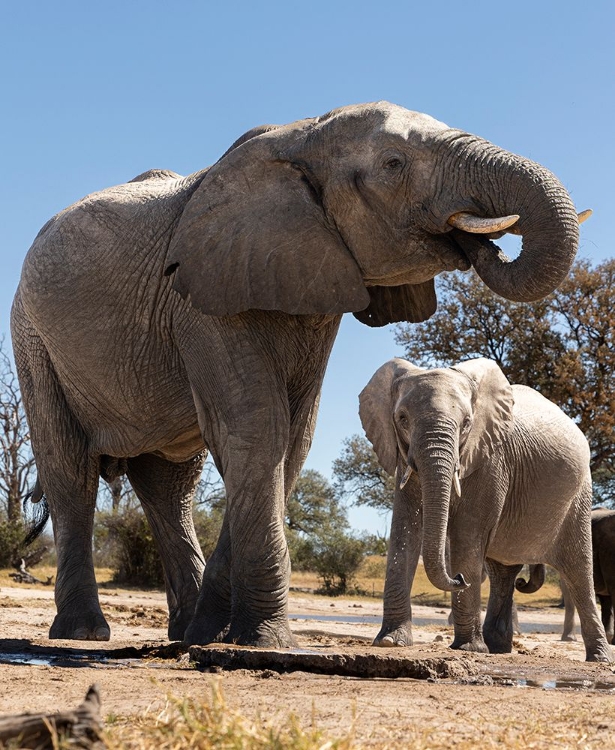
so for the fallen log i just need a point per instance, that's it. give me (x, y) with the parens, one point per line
(24, 576)
(82, 727)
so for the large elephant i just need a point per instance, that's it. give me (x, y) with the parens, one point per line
(173, 315)
(501, 470)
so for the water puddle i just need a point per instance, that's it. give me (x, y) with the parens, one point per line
(555, 683)
(376, 620)
(166, 656)
(85, 660)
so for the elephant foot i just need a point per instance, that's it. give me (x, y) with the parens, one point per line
(568, 637)
(600, 654)
(477, 646)
(204, 630)
(267, 634)
(178, 624)
(88, 627)
(390, 636)
(498, 644)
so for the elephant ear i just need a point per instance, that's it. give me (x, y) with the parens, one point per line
(412, 303)
(376, 408)
(492, 415)
(254, 235)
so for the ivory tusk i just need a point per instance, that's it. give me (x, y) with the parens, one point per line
(454, 221)
(479, 225)
(405, 478)
(457, 483)
(584, 215)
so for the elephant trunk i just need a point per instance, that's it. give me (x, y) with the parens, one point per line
(537, 578)
(499, 183)
(436, 464)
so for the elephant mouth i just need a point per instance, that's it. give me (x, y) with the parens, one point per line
(469, 245)
(446, 253)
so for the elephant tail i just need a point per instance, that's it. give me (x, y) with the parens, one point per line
(35, 505)
(537, 578)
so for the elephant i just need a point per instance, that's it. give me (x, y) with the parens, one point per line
(169, 317)
(499, 471)
(603, 555)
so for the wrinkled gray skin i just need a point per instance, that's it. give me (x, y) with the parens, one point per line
(525, 496)
(603, 552)
(171, 316)
(534, 582)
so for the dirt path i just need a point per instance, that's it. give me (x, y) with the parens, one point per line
(542, 693)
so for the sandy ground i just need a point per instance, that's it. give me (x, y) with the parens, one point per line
(541, 695)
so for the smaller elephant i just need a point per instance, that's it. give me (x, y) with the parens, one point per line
(603, 550)
(499, 470)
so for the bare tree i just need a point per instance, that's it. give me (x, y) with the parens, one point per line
(16, 460)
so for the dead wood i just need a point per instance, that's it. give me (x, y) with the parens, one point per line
(24, 576)
(81, 728)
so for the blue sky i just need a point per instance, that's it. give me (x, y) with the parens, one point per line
(95, 93)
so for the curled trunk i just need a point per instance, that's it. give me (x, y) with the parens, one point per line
(537, 578)
(499, 183)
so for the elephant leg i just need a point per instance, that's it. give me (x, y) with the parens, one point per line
(499, 625)
(166, 491)
(592, 629)
(466, 604)
(260, 562)
(68, 475)
(251, 552)
(573, 560)
(606, 611)
(212, 616)
(248, 575)
(255, 378)
(568, 629)
(402, 560)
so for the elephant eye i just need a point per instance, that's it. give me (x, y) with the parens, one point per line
(393, 163)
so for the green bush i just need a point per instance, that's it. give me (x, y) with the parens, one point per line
(11, 543)
(337, 557)
(123, 540)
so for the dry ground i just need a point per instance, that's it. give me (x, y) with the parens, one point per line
(490, 704)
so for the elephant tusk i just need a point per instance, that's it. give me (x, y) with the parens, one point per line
(405, 478)
(583, 216)
(457, 483)
(478, 225)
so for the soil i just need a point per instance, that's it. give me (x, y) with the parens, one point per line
(542, 695)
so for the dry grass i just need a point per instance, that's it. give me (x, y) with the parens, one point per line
(188, 723)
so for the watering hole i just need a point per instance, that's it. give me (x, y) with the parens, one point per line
(316, 660)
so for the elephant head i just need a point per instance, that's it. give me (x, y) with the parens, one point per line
(442, 423)
(357, 211)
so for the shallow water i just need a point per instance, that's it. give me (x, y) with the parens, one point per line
(91, 660)
(554, 683)
(526, 627)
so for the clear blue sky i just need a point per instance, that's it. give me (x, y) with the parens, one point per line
(95, 93)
